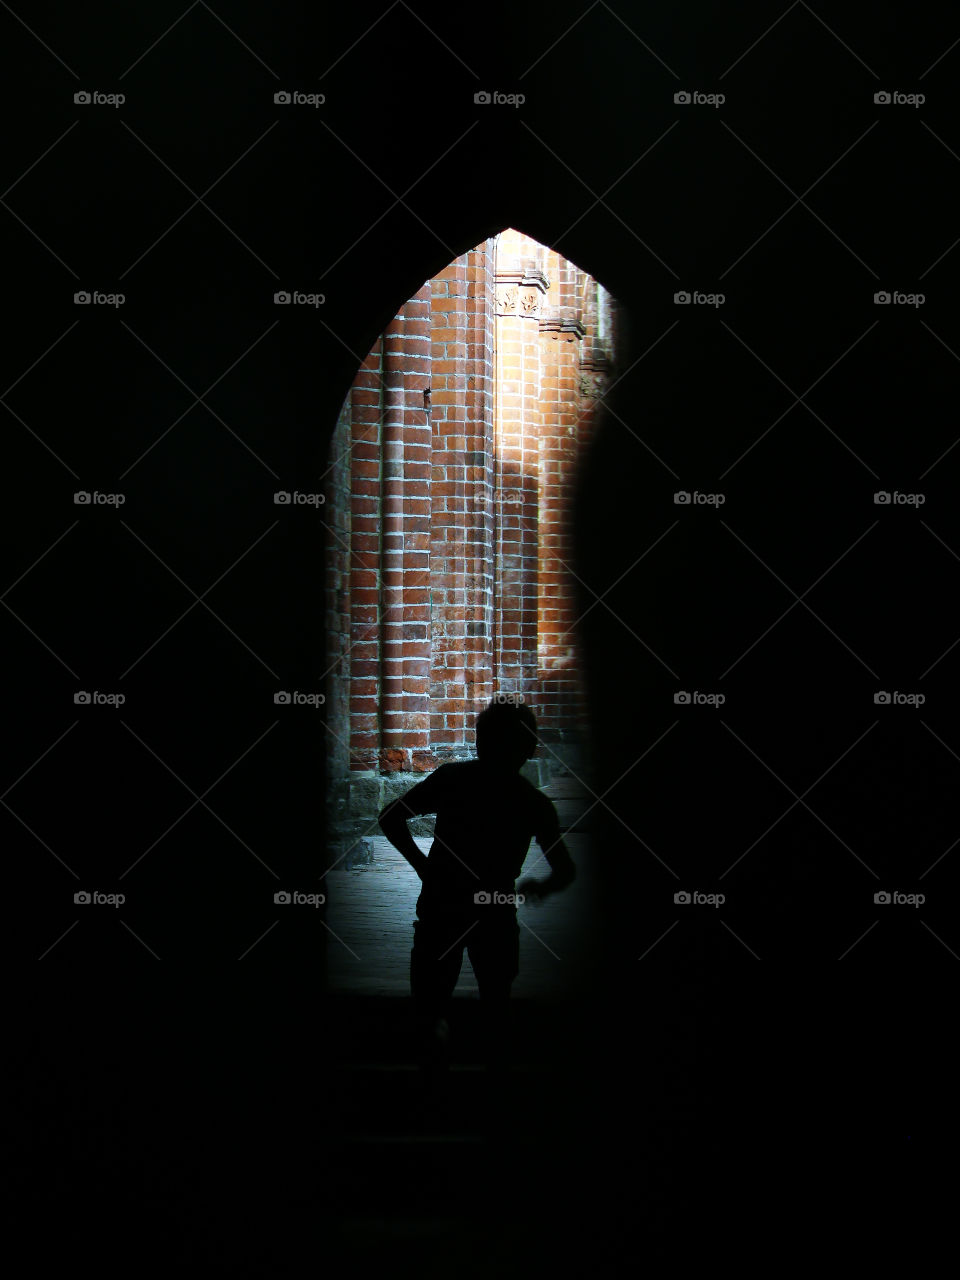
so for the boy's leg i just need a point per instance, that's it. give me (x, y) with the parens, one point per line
(495, 957)
(435, 962)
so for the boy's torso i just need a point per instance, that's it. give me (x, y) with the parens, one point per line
(485, 822)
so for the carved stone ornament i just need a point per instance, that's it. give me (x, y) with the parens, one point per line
(530, 302)
(506, 300)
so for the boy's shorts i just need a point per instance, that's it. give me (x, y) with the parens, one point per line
(491, 936)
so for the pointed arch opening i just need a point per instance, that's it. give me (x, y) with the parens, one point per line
(448, 571)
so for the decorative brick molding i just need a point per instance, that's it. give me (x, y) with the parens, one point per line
(520, 293)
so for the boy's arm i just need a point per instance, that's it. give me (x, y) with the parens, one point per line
(423, 798)
(562, 869)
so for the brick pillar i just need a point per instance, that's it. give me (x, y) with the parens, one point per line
(462, 507)
(520, 288)
(405, 586)
(364, 561)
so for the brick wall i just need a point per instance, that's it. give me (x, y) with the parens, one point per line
(462, 518)
(448, 497)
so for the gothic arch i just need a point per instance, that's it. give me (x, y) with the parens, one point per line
(447, 491)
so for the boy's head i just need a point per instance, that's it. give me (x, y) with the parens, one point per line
(506, 735)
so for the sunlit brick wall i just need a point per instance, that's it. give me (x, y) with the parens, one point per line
(467, 421)
(520, 288)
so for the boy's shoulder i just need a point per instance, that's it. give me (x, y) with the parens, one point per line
(517, 782)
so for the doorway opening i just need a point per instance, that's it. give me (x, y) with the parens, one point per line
(448, 563)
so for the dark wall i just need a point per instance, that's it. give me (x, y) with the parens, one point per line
(798, 199)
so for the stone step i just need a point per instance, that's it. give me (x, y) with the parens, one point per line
(368, 1102)
(413, 1170)
(416, 1139)
(388, 1036)
(412, 1068)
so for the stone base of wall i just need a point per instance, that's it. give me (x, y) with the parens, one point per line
(564, 759)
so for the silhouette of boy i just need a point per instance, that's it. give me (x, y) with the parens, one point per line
(487, 813)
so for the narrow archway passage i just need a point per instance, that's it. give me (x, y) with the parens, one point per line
(448, 573)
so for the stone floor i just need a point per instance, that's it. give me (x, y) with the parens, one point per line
(371, 909)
